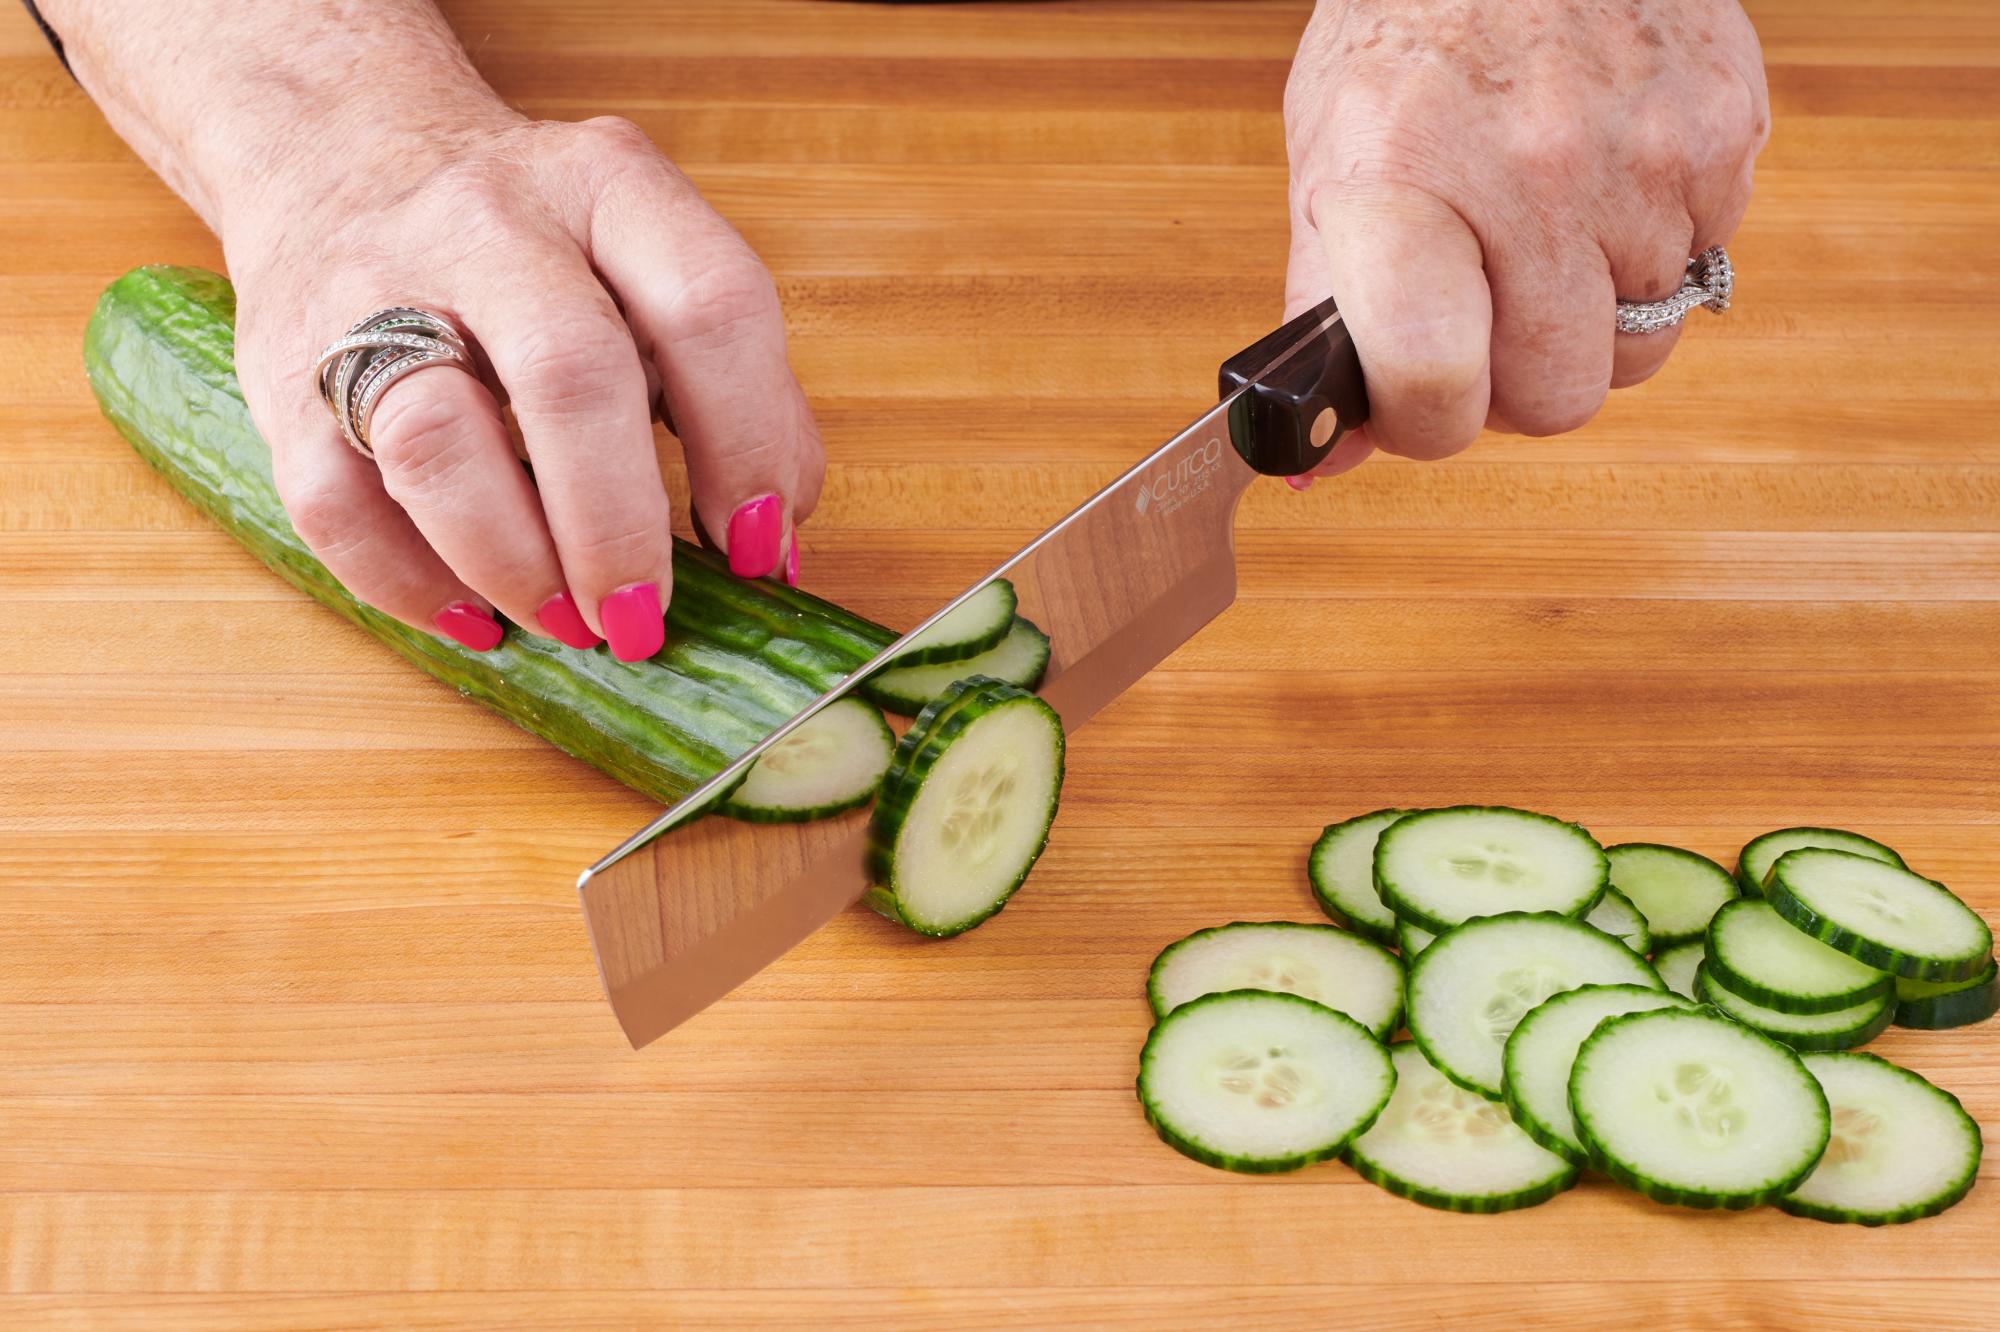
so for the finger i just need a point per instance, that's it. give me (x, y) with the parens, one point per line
(705, 312)
(1307, 281)
(579, 393)
(1408, 273)
(445, 457)
(1553, 326)
(1654, 272)
(1352, 449)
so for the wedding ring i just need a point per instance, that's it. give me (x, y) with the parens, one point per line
(356, 369)
(1708, 283)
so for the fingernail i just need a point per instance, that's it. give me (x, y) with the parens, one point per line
(754, 532)
(468, 625)
(1299, 483)
(792, 564)
(632, 621)
(564, 622)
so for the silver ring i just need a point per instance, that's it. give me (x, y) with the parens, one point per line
(1709, 280)
(355, 369)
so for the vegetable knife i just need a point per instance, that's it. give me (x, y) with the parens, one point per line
(687, 908)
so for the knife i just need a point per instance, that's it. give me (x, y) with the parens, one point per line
(686, 909)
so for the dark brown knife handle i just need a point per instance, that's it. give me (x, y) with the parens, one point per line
(1303, 391)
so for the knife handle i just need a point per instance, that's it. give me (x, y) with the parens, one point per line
(1302, 391)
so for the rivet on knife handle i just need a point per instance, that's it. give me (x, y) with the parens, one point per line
(1302, 390)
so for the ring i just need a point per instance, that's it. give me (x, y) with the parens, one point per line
(354, 370)
(1708, 283)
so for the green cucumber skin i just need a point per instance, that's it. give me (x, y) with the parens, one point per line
(1705, 986)
(945, 653)
(909, 705)
(1916, 1211)
(915, 740)
(1660, 1191)
(1736, 982)
(160, 354)
(1751, 887)
(893, 804)
(1381, 934)
(1280, 1165)
(1893, 961)
(1405, 909)
(1974, 1002)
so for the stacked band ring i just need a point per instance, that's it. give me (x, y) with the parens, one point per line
(355, 370)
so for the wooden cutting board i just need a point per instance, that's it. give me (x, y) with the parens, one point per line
(297, 1021)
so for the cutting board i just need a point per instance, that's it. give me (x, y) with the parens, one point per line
(298, 1024)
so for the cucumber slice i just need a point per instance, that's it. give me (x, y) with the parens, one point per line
(834, 762)
(1755, 953)
(1676, 891)
(1542, 1049)
(1445, 1147)
(1754, 861)
(1677, 966)
(1842, 1029)
(1941, 1005)
(1440, 867)
(1615, 915)
(1469, 989)
(1021, 658)
(1412, 939)
(975, 625)
(1260, 1082)
(1902, 1149)
(1881, 914)
(1329, 966)
(1687, 1107)
(1342, 871)
(954, 838)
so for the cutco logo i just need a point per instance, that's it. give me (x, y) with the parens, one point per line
(1173, 486)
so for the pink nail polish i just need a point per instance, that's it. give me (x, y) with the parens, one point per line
(792, 564)
(560, 617)
(632, 621)
(469, 625)
(1300, 483)
(754, 532)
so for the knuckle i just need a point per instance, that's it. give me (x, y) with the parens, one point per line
(578, 362)
(629, 543)
(1552, 148)
(615, 134)
(729, 301)
(329, 517)
(1553, 413)
(423, 443)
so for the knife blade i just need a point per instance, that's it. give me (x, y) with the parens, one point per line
(686, 909)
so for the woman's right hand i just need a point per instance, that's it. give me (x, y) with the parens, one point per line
(596, 285)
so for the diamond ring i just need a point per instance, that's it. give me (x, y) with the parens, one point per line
(1708, 283)
(355, 369)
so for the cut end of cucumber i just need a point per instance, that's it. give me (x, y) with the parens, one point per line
(1756, 953)
(1754, 861)
(1615, 915)
(1900, 1148)
(1543, 1048)
(1342, 871)
(1842, 1029)
(1440, 867)
(1020, 659)
(975, 625)
(1688, 1107)
(1678, 966)
(1676, 891)
(1260, 1082)
(834, 762)
(1943, 1005)
(1329, 966)
(1880, 914)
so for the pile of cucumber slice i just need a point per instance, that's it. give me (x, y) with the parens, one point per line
(1636, 1010)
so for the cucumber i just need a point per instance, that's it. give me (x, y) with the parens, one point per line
(1442, 1146)
(1755, 953)
(1542, 1049)
(956, 835)
(1685, 1106)
(975, 625)
(1260, 1082)
(1412, 939)
(1469, 989)
(1677, 966)
(1342, 872)
(1676, 891)
(1021, 658)
(1615, 915)
(1440, 867)
(1901, 1149)
(1329, 966)
(1754, 861)
(832, 763)
(1942, 1005)
(1881, 914)
(741, 657)
(1842, 1029)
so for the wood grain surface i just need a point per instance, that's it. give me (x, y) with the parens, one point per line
(298, 1026)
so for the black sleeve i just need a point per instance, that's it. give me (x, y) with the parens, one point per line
(47, 31)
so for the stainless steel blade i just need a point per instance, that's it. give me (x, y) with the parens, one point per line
(679, 920)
